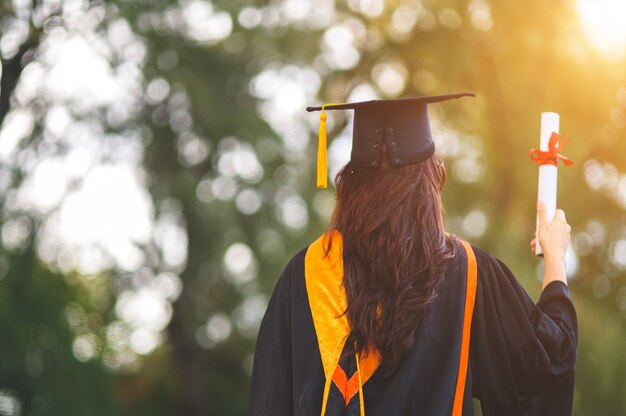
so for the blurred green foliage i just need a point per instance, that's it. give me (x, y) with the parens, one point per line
(226, 151)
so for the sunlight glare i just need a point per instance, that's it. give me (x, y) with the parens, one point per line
(603, 23)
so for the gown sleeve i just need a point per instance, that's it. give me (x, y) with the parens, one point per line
(522, 353)
(271, 384)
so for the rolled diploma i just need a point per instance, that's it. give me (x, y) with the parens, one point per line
(546, 191)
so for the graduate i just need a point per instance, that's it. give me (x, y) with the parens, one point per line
(388, 314)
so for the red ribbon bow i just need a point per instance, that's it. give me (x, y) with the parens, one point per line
(551, 156)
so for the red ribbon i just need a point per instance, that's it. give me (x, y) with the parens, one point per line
(551, 156)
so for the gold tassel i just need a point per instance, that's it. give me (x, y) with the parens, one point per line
(322, 169)
(361, 398)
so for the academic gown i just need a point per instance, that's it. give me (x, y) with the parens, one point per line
(521, 354)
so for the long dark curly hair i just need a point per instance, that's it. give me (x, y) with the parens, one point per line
(395, 251)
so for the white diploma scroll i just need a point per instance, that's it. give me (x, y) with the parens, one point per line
(547, 173)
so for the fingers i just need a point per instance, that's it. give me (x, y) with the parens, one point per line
(553, 233)
(541, 207)
(542, 213)
(568, 230)
(560, 218)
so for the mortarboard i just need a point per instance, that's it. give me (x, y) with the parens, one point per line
(401, 123)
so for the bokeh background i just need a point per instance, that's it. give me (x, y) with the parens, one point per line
(157, 171)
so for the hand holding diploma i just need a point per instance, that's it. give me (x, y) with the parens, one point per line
(554, 236)
(546, 157)
(553, 231)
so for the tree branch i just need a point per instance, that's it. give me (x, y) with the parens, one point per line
(11, 71)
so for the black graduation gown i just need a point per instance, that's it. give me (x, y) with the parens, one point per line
(521, 355)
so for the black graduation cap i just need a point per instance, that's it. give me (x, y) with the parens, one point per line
(402, 123)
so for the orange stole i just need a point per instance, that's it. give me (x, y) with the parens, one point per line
(327, 300)
(470, 297)
(347, 387)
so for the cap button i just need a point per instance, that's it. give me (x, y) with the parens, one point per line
(374, 163)
(397, 161)
(375, 146)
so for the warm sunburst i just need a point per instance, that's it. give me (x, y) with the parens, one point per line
(604, 24)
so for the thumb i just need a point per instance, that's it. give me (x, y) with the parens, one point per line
(542, 212)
